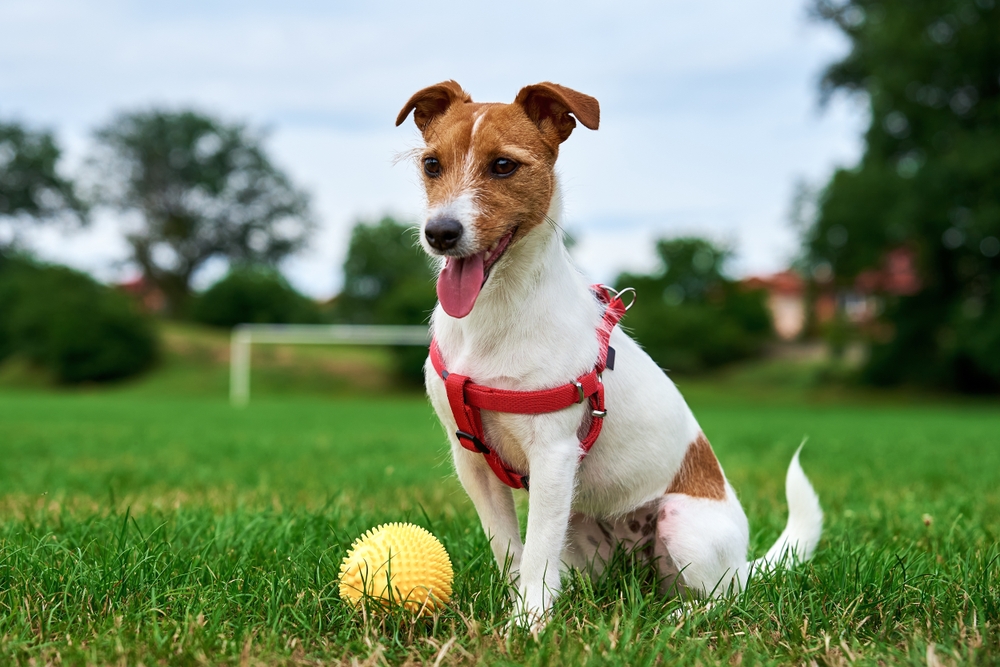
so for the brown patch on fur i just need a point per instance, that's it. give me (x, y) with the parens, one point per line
(467, 137)
(700, 475)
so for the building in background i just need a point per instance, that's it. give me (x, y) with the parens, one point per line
(860, 303)
(786, 299)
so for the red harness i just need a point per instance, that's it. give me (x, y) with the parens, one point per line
(467, 398)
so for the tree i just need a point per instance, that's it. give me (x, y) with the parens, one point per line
(928, 183)
(254, 294)
(383, 269)
(689, 316)
(202, 189)
(388, 279)
(30, 186)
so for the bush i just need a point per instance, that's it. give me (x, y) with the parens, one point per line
(254, 295)
(65, 322)
(6, 344)
(388, 279)
(688, 316)
(696, 337)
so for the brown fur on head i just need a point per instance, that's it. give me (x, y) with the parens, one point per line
(470, 145)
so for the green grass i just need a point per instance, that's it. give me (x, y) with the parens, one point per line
(182, 530)
(152, 523)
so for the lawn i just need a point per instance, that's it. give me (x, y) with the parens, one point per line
(155, 525)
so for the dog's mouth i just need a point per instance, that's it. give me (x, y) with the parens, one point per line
(462, 278)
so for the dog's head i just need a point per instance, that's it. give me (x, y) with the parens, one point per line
(489, 174)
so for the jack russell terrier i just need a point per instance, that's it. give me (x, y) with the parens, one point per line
(528, 373)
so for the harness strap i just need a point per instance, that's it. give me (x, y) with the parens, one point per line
(467, 398)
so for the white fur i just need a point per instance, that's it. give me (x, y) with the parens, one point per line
(707, 539)
(534, 327)
(479, 119)
(805, 521)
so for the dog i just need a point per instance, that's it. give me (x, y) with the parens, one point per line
(515, 315)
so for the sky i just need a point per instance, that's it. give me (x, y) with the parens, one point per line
(709, 110)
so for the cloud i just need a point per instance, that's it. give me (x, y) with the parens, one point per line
(708, 109)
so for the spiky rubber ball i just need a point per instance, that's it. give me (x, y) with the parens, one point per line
(397, 564)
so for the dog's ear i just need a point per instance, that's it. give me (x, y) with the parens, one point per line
(431, 102)
(549, 105)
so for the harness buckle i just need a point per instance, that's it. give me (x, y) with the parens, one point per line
(476, 442)
(579, 391)
(600, 414)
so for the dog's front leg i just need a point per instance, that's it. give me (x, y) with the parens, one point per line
(492, 499)
(494, 503)
(552, 479)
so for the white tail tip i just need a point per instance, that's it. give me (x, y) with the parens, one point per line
(805, 520)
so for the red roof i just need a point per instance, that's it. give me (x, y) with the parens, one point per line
(787, 282)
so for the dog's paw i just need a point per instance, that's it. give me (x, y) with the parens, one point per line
(531, 620)
(531, 610)
(691, 608)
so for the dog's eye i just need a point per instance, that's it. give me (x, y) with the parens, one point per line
(432, 167)
(503, 167)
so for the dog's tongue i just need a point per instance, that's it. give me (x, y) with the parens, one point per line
(459, 284)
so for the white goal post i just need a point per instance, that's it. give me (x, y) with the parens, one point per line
(245, 335)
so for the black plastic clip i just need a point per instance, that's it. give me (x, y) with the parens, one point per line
(476, 442)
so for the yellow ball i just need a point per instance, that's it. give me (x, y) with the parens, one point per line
(397, 563)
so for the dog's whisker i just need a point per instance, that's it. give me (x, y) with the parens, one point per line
(411, 154)
(552, 221)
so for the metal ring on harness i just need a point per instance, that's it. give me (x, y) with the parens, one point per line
(618, 295)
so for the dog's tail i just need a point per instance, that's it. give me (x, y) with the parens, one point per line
(805, 522)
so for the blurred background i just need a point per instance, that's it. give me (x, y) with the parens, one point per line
(811, 185)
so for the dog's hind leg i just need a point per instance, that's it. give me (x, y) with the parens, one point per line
(702, 535)
(701, 543)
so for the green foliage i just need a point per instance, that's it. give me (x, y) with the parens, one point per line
(254, 294)
(29, 183)
(388, 280)
(688, 316)
(75, 328)
(929, 181)
(203, 188)
(387, 277)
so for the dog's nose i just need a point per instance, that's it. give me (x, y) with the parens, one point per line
(443, 233)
